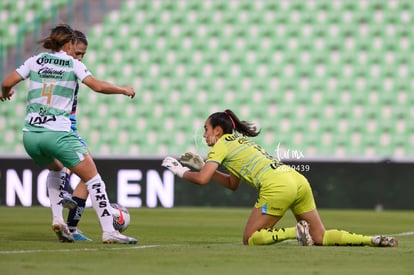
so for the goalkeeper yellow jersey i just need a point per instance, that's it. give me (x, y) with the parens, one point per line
(245, 159)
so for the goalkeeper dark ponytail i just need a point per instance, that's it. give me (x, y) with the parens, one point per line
(229, 122)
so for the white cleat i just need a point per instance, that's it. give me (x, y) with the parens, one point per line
(116, 237)
(302, 234)
(384, 241)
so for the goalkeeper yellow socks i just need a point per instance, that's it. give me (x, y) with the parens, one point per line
(272, 235)
(332, 237)
(342, 238)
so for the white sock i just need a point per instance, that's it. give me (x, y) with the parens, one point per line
(55, 183)
(100, 202)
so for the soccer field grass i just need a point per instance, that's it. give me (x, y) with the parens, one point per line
(199, 241)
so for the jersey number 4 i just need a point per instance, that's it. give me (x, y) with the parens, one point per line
(47, 90)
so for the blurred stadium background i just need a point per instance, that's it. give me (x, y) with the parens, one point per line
(329, 79)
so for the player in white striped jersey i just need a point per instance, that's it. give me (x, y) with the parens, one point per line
(47, 134)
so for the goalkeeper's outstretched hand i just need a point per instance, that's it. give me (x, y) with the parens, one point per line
(193, 160)
(174, 166)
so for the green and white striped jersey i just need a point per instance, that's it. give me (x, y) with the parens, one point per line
(53, 79)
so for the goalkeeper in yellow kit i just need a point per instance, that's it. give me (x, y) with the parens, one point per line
(280, 187)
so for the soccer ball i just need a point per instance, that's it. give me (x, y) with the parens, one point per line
(121, 217)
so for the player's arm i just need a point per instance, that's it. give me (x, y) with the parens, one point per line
(204, 176)
(195, 161)
(107, 88)
(229, 181)
(208, 172)
(7, 85)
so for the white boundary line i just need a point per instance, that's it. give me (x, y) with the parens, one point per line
(402, 234)
(10, 252)
(78, 249)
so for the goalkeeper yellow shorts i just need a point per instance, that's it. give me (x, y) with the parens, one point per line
(284, 190)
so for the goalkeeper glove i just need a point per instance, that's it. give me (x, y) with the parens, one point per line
(174, 166)
(192, 160)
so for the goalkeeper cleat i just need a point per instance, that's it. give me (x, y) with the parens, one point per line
(302, 234)
(63, 233)
(116, 237)
(68, 202)
(78, 236)
(384, 241)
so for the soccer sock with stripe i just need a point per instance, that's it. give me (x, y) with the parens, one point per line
(272, 235)
(344, 238)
